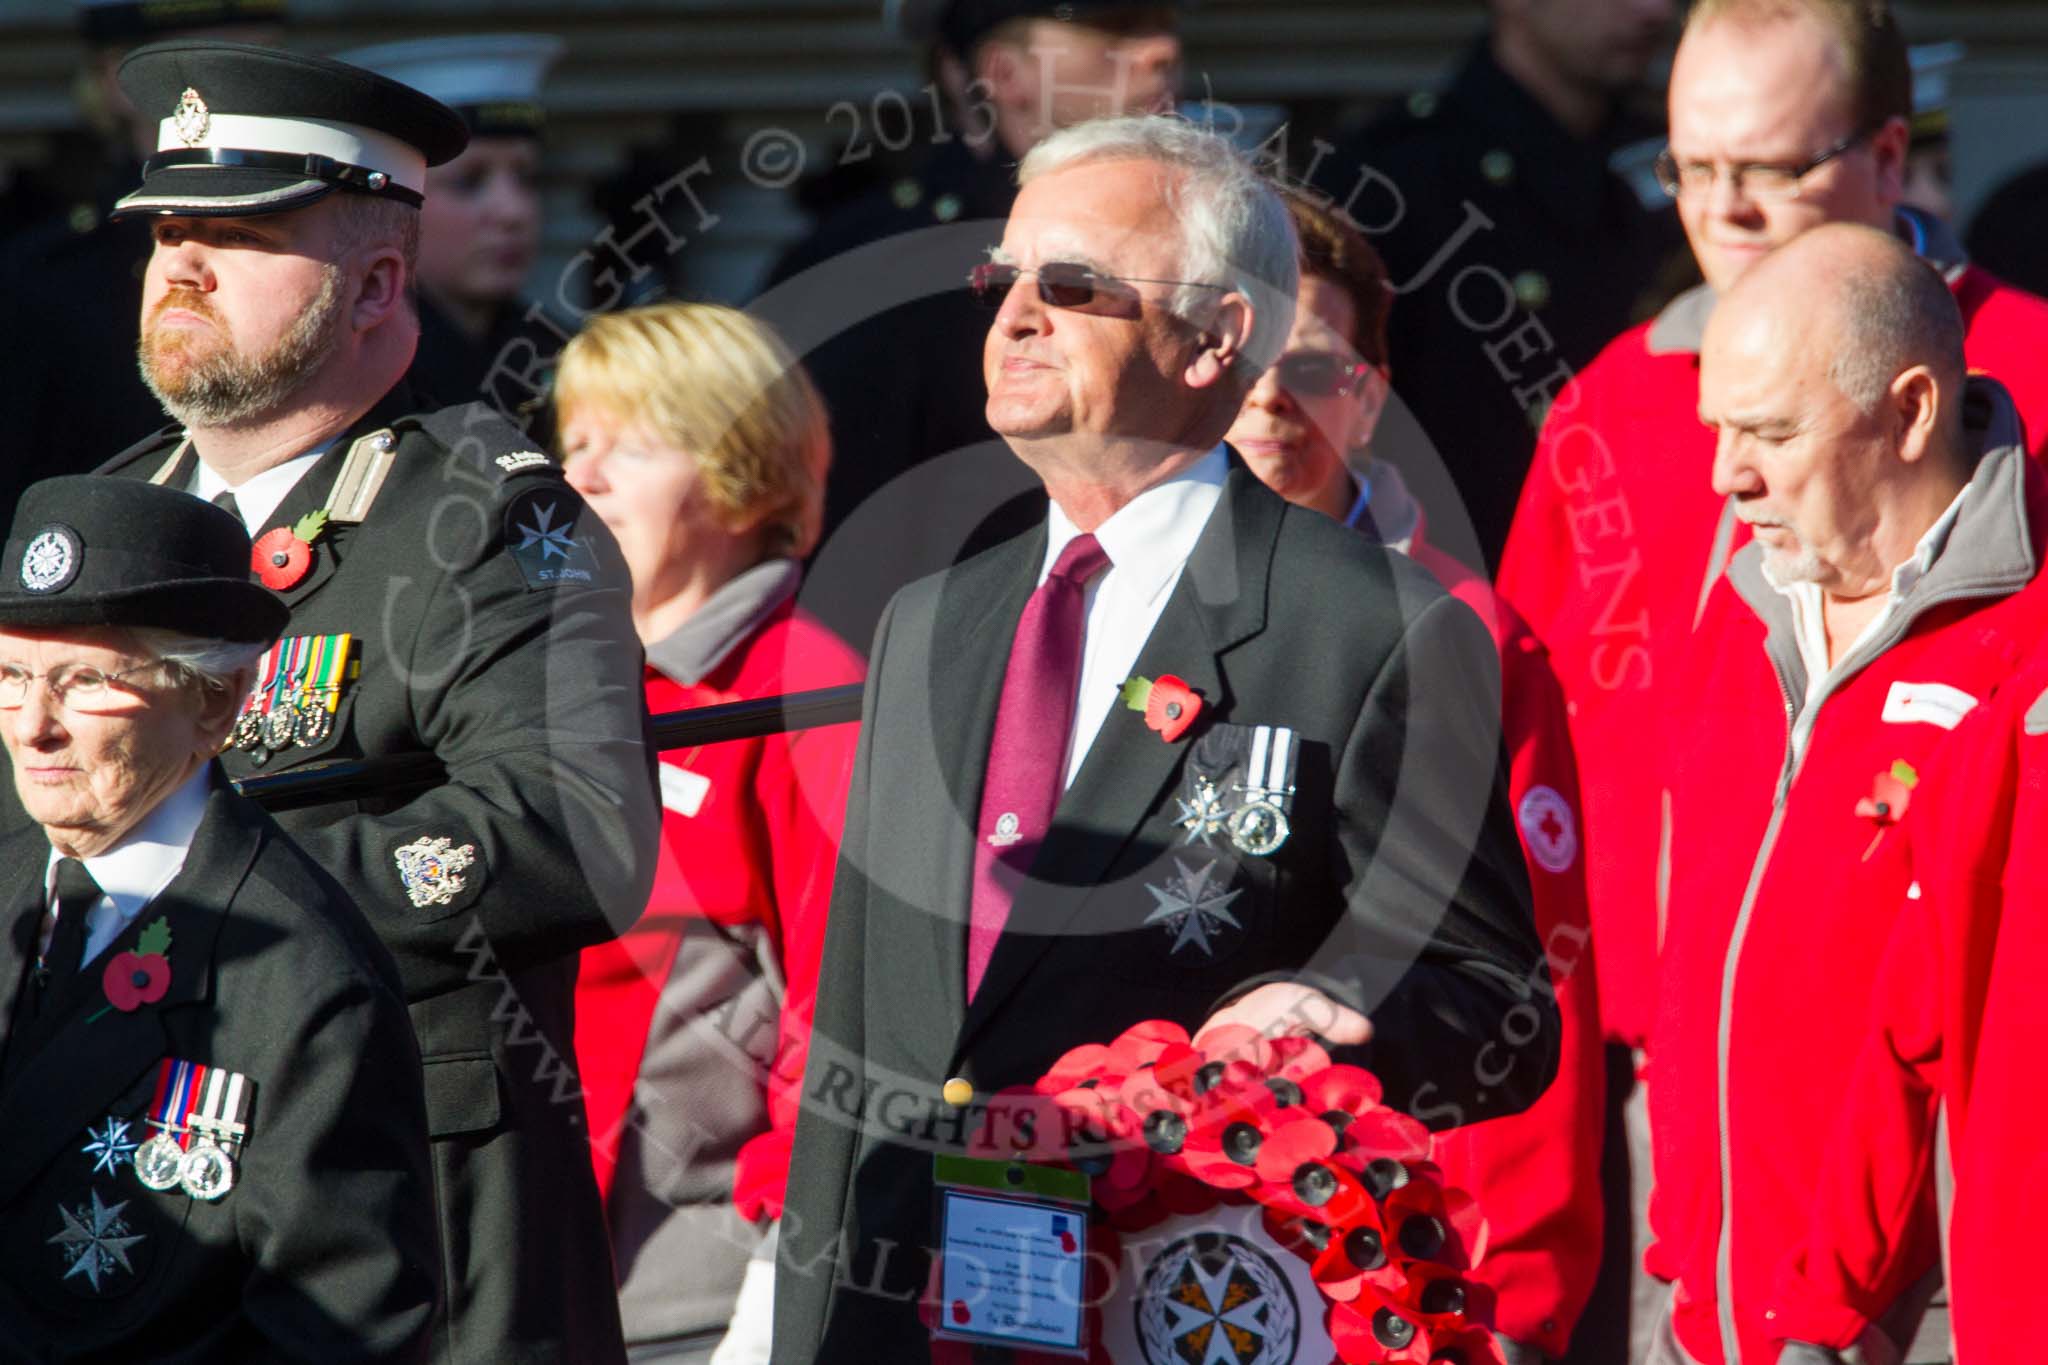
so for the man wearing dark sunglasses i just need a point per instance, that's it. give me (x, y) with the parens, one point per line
(1785, 115)
(1003, 75)
(1303, 832)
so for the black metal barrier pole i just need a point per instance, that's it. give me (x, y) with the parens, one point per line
(348, 779)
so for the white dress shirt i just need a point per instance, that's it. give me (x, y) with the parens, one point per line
(135, 871)
(1148, 541)
(257, 496)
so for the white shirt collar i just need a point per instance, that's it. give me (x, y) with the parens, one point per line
(1809, 629)
(1151, 536)
(135, 871)
(257, 496)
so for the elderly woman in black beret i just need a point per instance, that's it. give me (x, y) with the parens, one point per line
(212, 1130)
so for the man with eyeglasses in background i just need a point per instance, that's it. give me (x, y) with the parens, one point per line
(1784, 115)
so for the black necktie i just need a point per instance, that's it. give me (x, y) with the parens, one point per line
(225, 501)
(77, 893)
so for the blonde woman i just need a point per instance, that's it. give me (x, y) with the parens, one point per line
(694, 434)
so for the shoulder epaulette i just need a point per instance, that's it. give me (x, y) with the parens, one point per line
(361, 476)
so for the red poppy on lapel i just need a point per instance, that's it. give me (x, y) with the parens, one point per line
(1169, 704)
(281, 556)
(140, 977)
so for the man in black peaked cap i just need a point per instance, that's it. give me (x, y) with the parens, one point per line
(450, 597)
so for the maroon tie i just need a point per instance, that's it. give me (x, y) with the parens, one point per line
(1027, 755)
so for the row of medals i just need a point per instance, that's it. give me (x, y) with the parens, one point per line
(206, 1171)
(302, 719)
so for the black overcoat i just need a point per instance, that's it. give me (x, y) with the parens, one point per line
(324, 1249)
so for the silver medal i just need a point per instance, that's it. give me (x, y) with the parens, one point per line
(314, 724)
(207, 1172)
(278, 727)
(1258, 827)
(157, 1161)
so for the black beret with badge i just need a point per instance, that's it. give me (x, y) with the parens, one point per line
(247, 130)
(91, 551)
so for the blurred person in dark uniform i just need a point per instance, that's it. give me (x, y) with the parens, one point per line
(1522, 226)
(1014, 70)
(454, 605)
(1930, 175)
(71, 285)
(480, 227)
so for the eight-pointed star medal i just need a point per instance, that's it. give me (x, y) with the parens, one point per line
(1197, 911)
(95, 1240)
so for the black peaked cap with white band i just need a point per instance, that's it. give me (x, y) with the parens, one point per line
(88, 550)
(249, 130)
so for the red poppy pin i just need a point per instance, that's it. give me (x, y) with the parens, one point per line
(281, 556)
(140, 977)
(1169, 704)
(1890, 794)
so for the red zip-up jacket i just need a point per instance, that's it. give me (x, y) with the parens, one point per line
(1782, 895)
(1537, 1173)
(1957, 1021)
(1608, 559)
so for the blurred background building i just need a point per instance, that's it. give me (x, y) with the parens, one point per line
(649, 89)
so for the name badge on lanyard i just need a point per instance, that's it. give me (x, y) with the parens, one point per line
(1013, 1243)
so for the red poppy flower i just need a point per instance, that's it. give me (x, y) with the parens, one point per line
(1169, 704)
(1297, 1175)
(1305, 1236)
(133, 979)
(1887, 801)
(1172, 707)
(1141, 1043)
(280, 559)
(1223, 1146)
(1432, 1224)
(1367, 1334)
(1355, 1252)
(1340, 1090)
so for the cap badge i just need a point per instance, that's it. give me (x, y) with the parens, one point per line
(191, 118)
(51, 560)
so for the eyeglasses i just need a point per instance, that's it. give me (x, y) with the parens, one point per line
(1765, 180)
(72, 686)
(1318, 374)
(1067, 284)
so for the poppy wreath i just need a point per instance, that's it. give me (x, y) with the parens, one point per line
(1168, 1125)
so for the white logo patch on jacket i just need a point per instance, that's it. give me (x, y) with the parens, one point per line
(1933, 703)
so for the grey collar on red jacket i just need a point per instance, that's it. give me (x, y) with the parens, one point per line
(689, 653)
(1682, 326)
(1990, 553)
